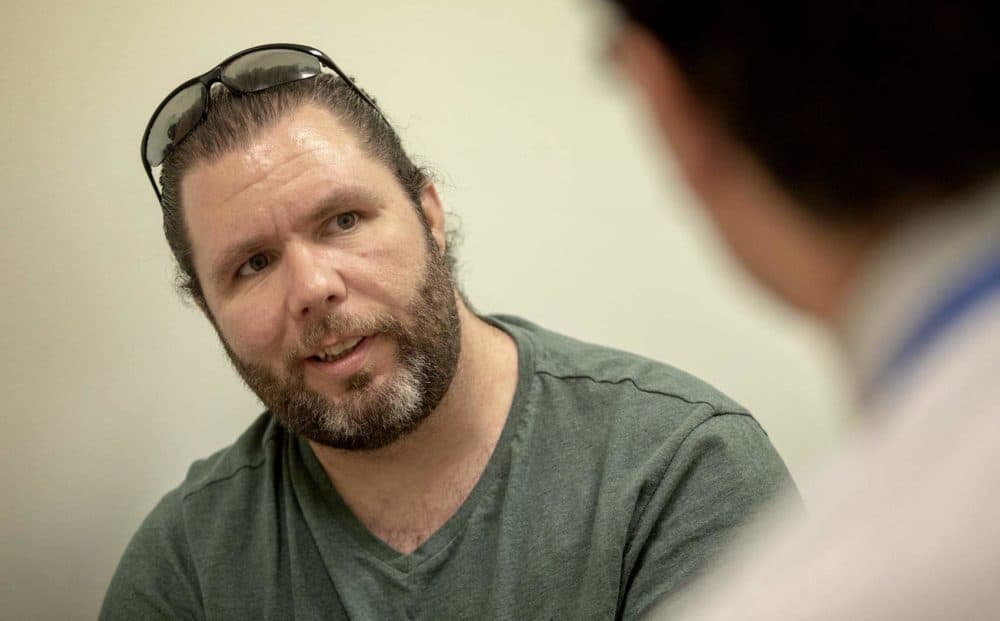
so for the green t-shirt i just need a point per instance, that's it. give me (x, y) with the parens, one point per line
(614, 480)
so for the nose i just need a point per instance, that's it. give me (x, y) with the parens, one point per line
(315, 285)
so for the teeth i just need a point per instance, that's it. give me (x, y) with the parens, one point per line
(335, 350)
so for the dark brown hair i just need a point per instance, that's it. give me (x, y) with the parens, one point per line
(860, 109)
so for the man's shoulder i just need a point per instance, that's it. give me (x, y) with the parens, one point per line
(595, 367)
(237, 462)
(228, 485)
(159, 567)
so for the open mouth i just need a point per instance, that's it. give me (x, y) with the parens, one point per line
(338, 351)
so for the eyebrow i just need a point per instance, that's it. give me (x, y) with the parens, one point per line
(335, 202)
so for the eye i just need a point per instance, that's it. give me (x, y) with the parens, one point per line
(346, 221)
(255, 264)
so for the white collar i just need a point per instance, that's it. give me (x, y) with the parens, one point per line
(910, 271)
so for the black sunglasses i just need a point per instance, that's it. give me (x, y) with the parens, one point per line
(249, 71)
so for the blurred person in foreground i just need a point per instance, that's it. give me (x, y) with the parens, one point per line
(849, 155)
(417, 460)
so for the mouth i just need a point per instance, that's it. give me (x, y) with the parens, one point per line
(338, 351)
(342, 359)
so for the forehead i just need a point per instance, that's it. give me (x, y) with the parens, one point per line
(308, 147)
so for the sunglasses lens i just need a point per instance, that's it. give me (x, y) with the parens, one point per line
(266, 68)
(174, 121)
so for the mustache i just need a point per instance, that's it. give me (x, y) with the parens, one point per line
(338, 324)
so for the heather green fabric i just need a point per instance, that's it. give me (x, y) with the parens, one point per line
(614, 481)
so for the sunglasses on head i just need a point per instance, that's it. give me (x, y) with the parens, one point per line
(249, 71)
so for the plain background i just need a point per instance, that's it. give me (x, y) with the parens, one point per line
(571, 215)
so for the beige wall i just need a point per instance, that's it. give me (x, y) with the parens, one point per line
(111, 386)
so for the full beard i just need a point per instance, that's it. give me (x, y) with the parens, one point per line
(370, 415)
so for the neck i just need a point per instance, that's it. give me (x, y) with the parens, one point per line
(833, 269)
(447, 453)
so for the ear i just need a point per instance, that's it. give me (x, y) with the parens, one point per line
(695, 140)
(433, 210)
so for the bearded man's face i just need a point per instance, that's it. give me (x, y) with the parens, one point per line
(327, 287)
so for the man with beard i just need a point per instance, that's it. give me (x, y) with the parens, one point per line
(416, 460)
(849, 153)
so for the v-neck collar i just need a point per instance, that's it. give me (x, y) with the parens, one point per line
(334, 526)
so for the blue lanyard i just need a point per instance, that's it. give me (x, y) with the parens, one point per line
(981, 283)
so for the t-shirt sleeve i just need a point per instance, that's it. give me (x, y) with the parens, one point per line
(155, 578)
(724, 472)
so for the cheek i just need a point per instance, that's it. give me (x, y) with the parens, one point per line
(252, 326)
(391, 273)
